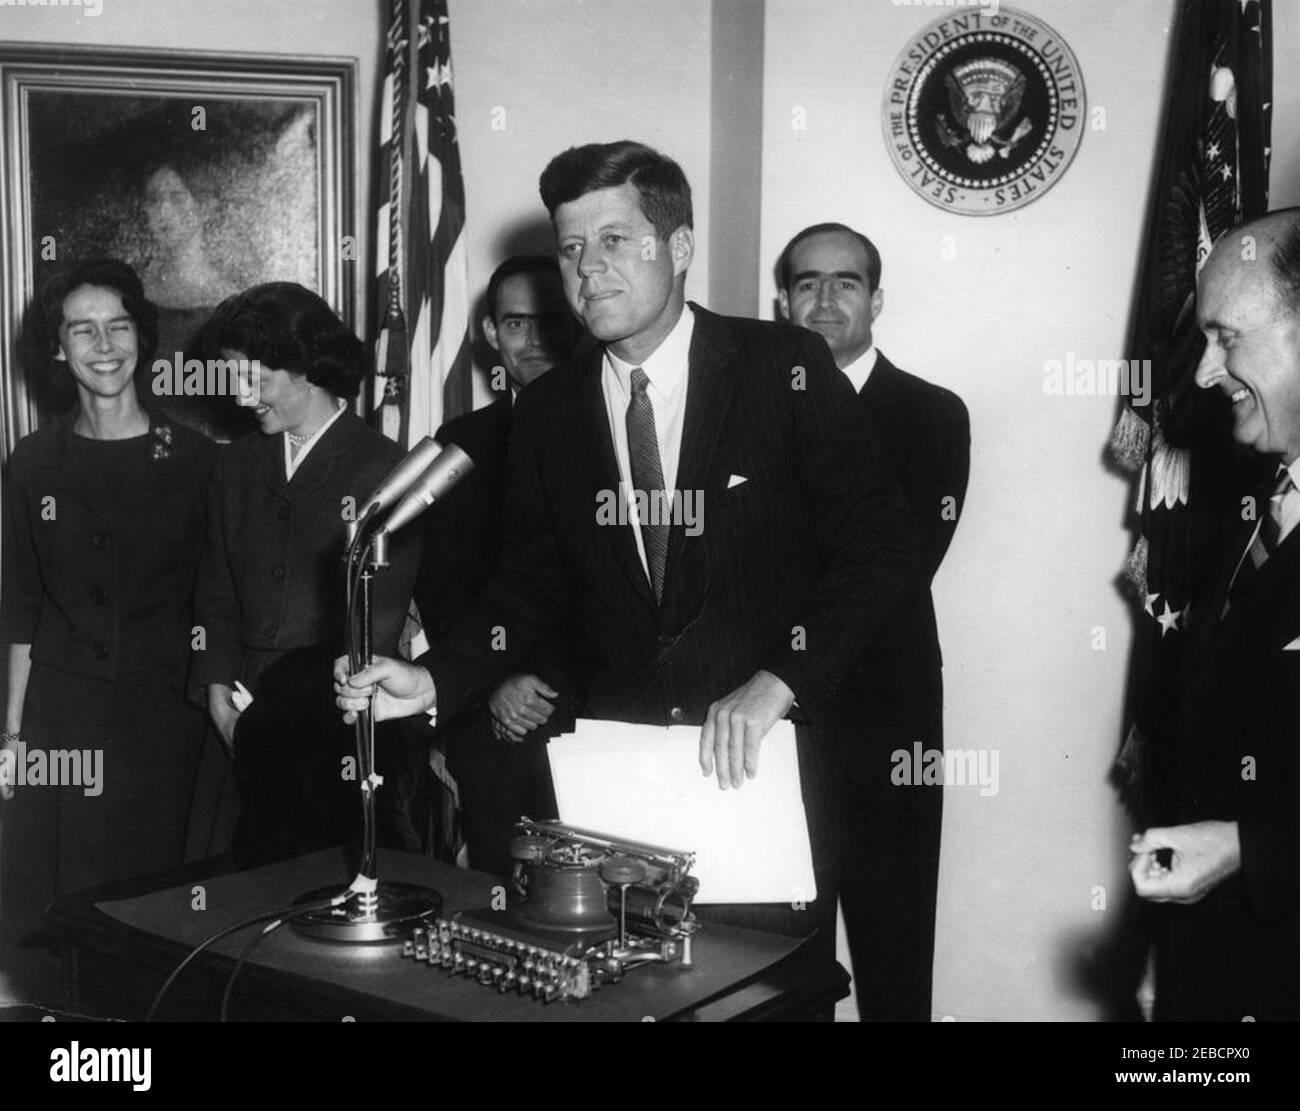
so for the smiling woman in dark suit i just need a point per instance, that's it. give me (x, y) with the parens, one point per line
(103, 529)
(271, 589)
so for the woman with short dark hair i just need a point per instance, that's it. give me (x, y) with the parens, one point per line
(271, 592)
(103, 530)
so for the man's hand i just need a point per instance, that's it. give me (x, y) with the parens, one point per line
(400, 689)
(224, 715)
(1204, 855)
(8, 768)
(736, 725)
(519, 705)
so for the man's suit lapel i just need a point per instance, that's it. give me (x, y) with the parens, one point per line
(1209, 625)
(880, 387)
(1268, 611)
(600, 467)
(1204, 622)
(708, 398)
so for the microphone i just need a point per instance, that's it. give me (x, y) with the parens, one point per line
(440, 476)
(402, 477)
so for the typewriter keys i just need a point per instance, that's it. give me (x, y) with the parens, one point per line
(593, 908)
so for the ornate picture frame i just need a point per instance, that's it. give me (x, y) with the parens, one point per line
(206, 172)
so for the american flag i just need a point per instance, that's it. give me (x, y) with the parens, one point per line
(423, 350)
(1212, 175)
(422, 355)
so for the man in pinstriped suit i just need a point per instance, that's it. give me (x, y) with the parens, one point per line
(805, 544)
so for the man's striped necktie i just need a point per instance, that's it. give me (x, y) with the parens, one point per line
(1265, 541)
(1270, 528)
(648, 477)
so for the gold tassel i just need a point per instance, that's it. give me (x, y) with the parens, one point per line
(393, 359)
(1135, 567)
(1170, 479)
(1130, 440)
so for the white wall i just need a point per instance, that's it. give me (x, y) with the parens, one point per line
(737, 150)
(1030, 575)
(1284, 180)
(568, 72)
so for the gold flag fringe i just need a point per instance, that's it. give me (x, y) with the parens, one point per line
(1171, 471)
(1135, 567)
(392, 356)
(1130, 440)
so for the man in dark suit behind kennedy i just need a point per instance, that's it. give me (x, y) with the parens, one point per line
(1227, 859)
(496, 749)
(892, 699)
(804, 547)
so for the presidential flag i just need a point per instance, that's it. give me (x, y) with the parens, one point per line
(1212, 175)
(423, 350)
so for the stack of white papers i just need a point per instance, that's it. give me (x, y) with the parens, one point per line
(643, 783)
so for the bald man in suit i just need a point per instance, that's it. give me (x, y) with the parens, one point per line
(1226, 862)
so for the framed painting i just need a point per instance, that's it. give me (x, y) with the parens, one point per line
(207, 173)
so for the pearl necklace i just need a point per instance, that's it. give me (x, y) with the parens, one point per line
(302, 439)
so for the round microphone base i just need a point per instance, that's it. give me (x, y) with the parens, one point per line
(386, 915)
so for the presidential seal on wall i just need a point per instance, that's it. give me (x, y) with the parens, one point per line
(983, 112)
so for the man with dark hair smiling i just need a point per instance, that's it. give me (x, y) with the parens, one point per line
(892, 699)
(1227, 856)
(496, 750)
(527, 321)
(805, 546)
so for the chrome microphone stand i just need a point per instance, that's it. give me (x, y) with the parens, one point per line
(369, 909)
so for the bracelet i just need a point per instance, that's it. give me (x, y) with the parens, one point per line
(9, 738)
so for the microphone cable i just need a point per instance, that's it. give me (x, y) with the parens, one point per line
(286, 913)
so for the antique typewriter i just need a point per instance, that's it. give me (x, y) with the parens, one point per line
(591, 909)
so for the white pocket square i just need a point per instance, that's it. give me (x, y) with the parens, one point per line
(1294, 646)
(736, 480)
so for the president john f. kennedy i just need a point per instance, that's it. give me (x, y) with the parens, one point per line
(806, 543)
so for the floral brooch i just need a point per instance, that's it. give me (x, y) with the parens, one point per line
(160, 449)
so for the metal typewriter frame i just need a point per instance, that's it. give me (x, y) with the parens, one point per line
(552, 963)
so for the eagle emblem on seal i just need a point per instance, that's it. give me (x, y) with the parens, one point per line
(984, 97)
